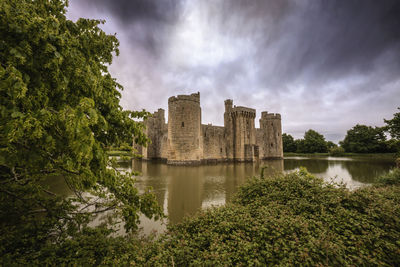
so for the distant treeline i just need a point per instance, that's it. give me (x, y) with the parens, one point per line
(359, 139)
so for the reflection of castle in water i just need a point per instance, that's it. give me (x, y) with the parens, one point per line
(183, 190)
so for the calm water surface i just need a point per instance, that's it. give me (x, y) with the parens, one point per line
(182, 190)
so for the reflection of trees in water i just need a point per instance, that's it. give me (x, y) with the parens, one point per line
(366, 172)
(312, 165)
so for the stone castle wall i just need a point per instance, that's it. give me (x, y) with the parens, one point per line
(184, 140)
(214, 147)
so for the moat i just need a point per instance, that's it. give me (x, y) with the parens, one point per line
(182, 190)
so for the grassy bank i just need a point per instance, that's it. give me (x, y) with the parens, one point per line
(289, 220)
(119, 153)
(355, 155)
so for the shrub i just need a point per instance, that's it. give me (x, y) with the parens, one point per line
(295, 219)
(336, 151)
(390, 178)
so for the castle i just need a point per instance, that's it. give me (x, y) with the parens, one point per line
(184, 140)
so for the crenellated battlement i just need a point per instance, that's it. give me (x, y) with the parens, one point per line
(160, 113)
(243, 111)
(193, 97)
(228, 102)
(270, 116)
(228, 105)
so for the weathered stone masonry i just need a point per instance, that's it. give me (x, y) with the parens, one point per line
(184, 140)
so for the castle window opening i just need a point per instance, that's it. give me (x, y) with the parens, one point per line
(221, 149)
(272, 144)
(183, 124)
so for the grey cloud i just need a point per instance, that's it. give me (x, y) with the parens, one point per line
(322, 39)
(325, 65)
(145, 22)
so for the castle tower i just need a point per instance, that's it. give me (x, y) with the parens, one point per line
(228, 125)
(154, 131)
(184, 129)
(271, 131)
(244, 137)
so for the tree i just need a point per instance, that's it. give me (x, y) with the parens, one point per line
(331, 144)
(59, 110)
(393, 125)
(364, 139)
(288, 143)
(313, 142)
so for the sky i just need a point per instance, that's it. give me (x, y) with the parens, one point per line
(324, 65)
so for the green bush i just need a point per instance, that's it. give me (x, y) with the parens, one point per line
(295, 219)
(336, 151)
(390, 178)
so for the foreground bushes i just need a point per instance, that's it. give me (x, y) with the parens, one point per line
(288, 220)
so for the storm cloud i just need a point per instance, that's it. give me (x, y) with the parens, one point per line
(325, 65)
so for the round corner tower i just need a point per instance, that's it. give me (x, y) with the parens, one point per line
(184, 129)
(271, 127)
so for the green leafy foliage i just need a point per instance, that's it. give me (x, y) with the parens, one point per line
(393, 146)
(330, 144)
(313, 142)
(59, 111)
(390, 178)
(393, 126)
(289, 144)
(336, 151)
(294, 219)
(364, 139)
